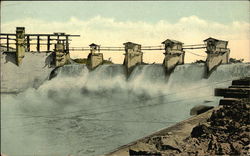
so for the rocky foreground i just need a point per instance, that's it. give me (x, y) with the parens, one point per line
(223, 130)
(226, 132)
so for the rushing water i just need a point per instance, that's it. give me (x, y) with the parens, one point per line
(90, 113)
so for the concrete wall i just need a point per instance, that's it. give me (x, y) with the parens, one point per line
(133, 58)
(172, 60)
(225, 57)
(94, 60)
(33, 71)
(181, 58)
(215, 59)
(221, 44)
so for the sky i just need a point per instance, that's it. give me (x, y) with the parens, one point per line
(111, 23)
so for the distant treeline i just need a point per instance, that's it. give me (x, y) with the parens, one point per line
(231, 60)
(84, 61)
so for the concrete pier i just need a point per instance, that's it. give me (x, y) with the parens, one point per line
(61, 57)
(217, 53)
(133, 56)
(95, 58)
(174, 54)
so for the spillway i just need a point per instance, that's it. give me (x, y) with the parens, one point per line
(80, 112)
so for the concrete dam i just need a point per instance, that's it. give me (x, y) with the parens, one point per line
(60, 107)
(83, 112)
(174, 51)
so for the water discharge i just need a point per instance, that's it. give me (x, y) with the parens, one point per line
(90, 113)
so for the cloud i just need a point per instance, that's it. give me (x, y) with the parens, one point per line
(109, 32)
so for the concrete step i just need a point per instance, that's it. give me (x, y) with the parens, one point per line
(244, 81)
(239, 86)
(232, 92)
(228, 101)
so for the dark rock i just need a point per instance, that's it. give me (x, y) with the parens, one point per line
(236, 148)
(224, 148)
(142, 153)
(226, 132)
(168, 147)
(245, 141)
(200, 130)
(212, 145)
(196, 110)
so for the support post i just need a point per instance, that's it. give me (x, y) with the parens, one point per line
(28, 43)
(38, 43)
(8, 46)
(63, 42)
(20, 44)
(67, 44)
(48, 44)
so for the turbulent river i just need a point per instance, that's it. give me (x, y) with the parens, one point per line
(91, 113)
